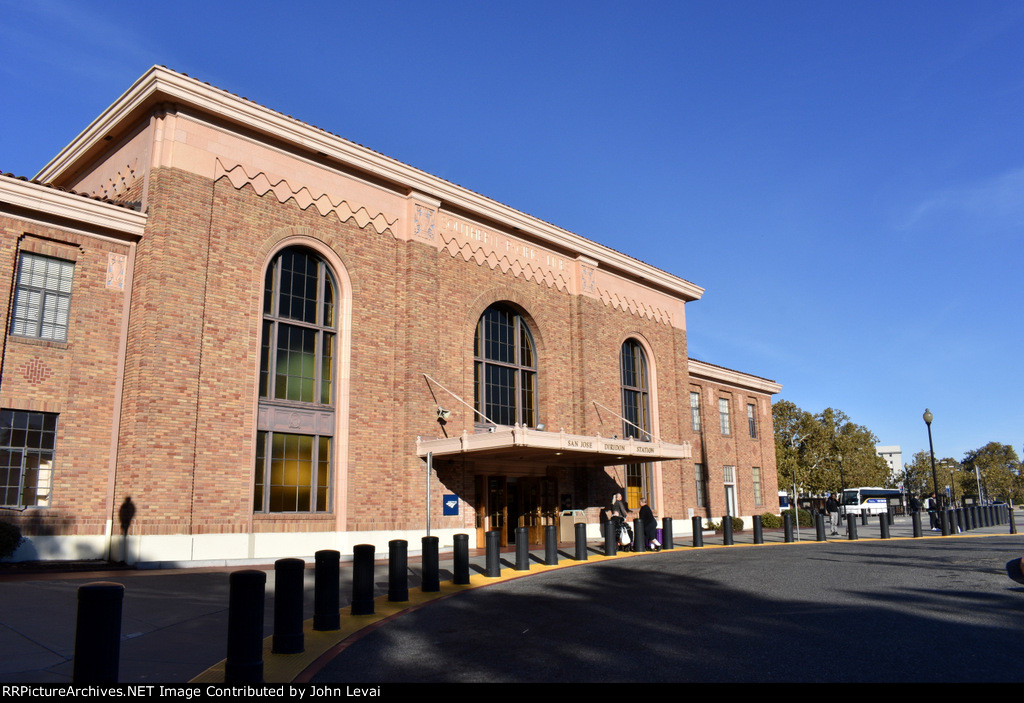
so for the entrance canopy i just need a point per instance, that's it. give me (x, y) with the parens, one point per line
(550, 448)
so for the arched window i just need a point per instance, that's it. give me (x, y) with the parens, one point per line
(636, 409)
(635, 391)
(295, 425)
(504, 368)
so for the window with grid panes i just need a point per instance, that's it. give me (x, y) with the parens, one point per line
(28, 441)
(297, 385)
(504, 369)
(636, 413)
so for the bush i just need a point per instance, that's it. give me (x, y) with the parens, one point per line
(10, 538)
(737, 525)
(804, 518)
(771, 520)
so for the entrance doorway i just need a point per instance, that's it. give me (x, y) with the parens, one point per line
(505, 503)
(638, 485)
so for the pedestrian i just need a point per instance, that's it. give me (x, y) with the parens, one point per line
(832, 508)
(619, 508)
(650, 524)
(932, 504)
(619, 512)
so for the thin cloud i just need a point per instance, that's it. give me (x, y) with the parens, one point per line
(995, 202)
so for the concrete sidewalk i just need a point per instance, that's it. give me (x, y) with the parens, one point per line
(174, 622)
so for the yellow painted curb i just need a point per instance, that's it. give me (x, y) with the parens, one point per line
(286, 668)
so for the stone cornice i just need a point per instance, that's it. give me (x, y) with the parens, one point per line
(160, 85)
(720, 374)
(56, 203)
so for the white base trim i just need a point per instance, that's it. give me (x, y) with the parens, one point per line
(172, 551)
(238, 549)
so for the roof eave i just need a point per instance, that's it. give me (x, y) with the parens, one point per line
(160, 84)
(59, 204)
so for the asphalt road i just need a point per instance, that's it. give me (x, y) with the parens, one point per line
(932, 610)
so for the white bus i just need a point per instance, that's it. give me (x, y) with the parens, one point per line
(872, 501)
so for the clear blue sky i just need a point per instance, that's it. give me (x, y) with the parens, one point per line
(845, 178)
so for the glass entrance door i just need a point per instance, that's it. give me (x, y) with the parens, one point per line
(507, 503)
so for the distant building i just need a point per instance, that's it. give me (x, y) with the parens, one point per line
(893, 456)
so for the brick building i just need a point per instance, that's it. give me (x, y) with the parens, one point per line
(251, 338)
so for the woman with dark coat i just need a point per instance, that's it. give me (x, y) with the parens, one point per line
(650, 524)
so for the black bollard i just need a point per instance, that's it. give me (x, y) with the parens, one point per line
(431, 579)
(883, 525)
(667, 540)
(581, 541)
(726, 529)
(819, 527)
(460, 557)
(326, 592)
(915, 518)
(244, 663)
(639, 539)
(288, 575)
(1011, 520)
(398, 571)
(961, 519)
(787, 526)
(98, 633)
(492, 543)
(758, 530)
(698, 531)
(522, 549)
(611, 544)
(864, 517)
(944, 522)
(889, 517)
(851, 524)
(550, 545)
(362, 579)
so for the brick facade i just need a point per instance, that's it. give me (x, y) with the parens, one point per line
(157, 387)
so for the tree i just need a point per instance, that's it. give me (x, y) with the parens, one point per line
(824, 452)
(918, 476)
(949, 472)
(792, 425)
(999, 470)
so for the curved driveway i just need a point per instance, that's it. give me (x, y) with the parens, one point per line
(903, 610)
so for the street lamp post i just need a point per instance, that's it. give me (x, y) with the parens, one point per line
(931, 450)
(842, 478)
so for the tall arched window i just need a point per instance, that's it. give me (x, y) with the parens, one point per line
(504, 368)
(295, 425)
(635, 391)
(636, 409)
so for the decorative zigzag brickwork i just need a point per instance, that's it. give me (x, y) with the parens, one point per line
(507, 264)
(324, 202)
